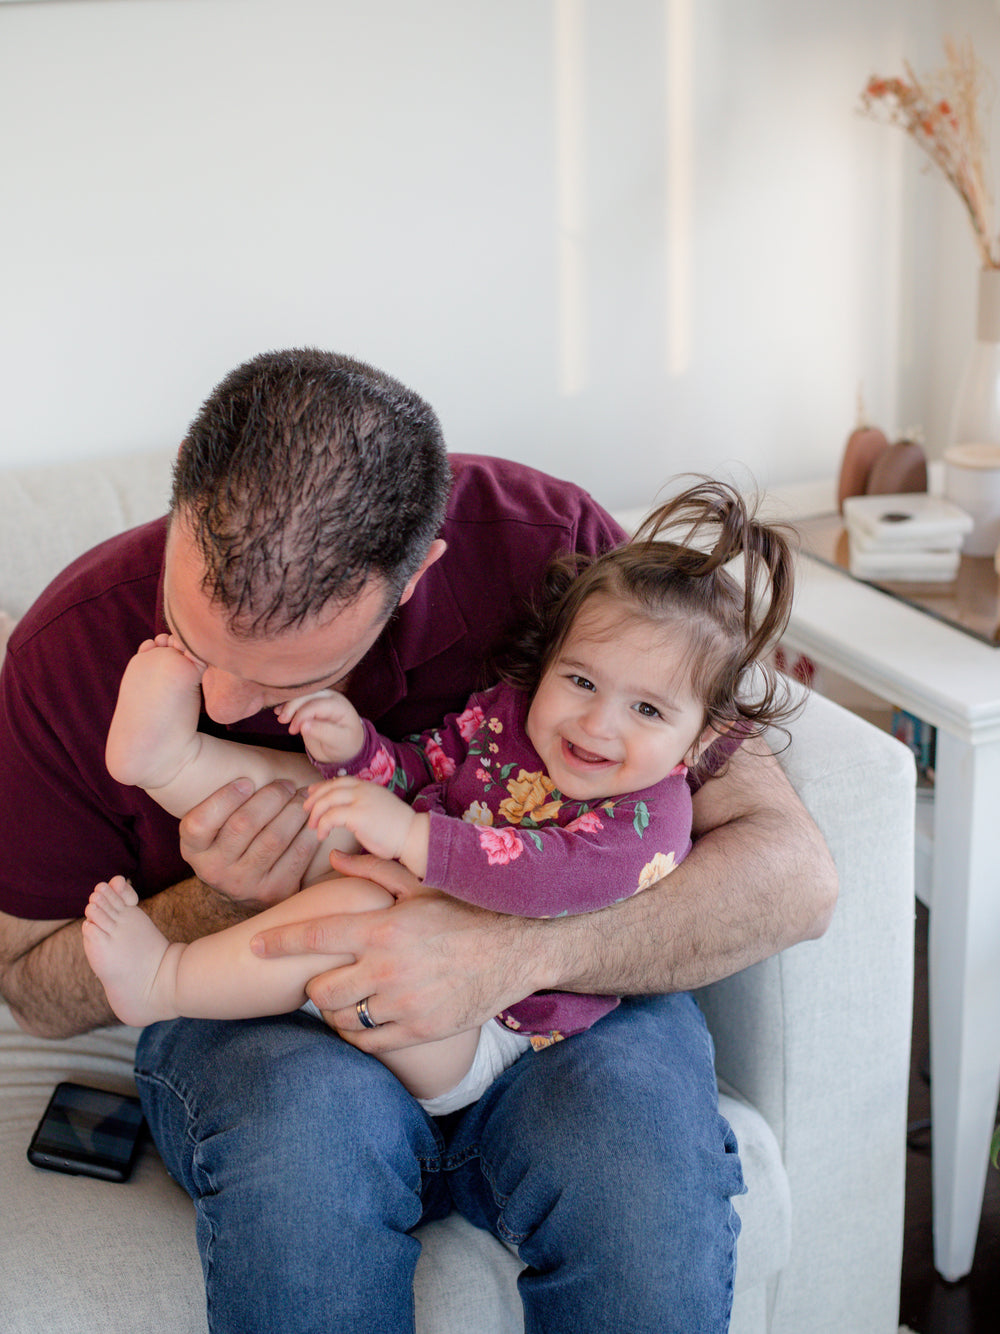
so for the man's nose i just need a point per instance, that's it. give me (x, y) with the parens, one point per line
(229, 698)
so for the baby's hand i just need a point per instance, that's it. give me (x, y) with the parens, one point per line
(379, 820)
(327, 722)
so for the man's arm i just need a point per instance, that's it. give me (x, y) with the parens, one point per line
(758, 879)
(249, 851)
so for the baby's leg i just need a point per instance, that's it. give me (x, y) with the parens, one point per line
(434, 1068)
(153, 731)
(154, 743)
(147, 978)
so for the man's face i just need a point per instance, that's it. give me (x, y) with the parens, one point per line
(244, 676)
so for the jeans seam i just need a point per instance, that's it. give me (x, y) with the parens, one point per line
(500, 1199)
(734, 1233)
(198, 1168)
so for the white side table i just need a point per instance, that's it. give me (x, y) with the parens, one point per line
(951, 680)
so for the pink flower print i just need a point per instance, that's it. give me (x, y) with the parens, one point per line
(442, 765)
(469, 722)
(588, 823)
(381, 769)
(500, 845)
(482, 775)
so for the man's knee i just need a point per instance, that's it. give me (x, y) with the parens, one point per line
(285, 1091)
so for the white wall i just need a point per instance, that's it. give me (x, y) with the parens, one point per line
(615, 238)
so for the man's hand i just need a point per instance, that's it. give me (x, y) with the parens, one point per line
(250, 847)
(428, 966)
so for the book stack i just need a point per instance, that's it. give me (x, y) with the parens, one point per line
(906, 538)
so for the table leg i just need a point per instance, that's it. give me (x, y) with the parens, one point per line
(964, 987)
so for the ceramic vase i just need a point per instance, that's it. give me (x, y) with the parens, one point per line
(976, 414)
(972, 459)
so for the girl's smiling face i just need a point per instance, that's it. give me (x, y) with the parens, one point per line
(615, 711)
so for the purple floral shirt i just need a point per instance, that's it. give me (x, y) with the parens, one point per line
(503, 837)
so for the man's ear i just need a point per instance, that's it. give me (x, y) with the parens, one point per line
(437, 550)
(702, 742)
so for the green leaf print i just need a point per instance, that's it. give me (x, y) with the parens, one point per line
(640, 823)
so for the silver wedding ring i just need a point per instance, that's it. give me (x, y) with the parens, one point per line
(362, 1009)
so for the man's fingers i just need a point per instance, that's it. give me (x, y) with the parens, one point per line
(391, 875)
(200, 827)
(322, 935)
(231, 818)
(249, 846)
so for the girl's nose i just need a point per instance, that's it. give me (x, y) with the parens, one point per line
(597, 719)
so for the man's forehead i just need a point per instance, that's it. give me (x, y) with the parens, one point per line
(315, 652)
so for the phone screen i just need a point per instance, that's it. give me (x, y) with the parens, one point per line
(88, 1131)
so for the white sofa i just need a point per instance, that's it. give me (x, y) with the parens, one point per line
(812, 1048)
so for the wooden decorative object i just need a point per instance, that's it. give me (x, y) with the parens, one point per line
(899, 470)
(864, 446)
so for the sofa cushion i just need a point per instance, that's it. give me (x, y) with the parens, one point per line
(88, 1257)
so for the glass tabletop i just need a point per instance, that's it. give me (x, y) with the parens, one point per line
(970, 602)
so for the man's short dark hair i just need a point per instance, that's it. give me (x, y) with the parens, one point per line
(305, 474)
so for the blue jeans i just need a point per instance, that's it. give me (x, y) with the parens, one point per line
(604, 1159)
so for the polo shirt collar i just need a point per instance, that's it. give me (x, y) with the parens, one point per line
(429, 624)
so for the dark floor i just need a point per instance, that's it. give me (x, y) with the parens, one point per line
(928, 1304)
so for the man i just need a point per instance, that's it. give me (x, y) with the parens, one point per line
(319, 535)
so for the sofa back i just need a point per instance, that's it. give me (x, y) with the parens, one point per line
(51, 513)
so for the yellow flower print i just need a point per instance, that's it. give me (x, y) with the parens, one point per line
(661, 865)
(527, 793)
(539, 1041)
(478, 813)
(495, 725)
(547, 812)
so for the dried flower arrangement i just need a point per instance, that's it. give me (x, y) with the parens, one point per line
(941, 113)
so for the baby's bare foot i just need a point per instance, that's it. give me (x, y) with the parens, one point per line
(153, 733)
(125, 949)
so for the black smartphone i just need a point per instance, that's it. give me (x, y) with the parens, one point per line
(88, 1132)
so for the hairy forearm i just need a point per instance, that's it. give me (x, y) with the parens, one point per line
(51, 990)
(748, 889)
(48, 983)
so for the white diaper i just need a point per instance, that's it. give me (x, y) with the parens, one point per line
(498, 1048)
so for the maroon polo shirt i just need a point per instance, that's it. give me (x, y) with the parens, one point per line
(67, 824)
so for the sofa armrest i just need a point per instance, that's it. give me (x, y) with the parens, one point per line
(818, 1037)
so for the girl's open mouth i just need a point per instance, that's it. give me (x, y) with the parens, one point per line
(584, 756)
